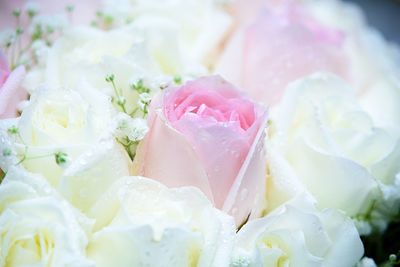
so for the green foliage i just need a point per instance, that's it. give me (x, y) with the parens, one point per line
(384, 247)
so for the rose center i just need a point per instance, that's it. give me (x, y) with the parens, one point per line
(212, 106)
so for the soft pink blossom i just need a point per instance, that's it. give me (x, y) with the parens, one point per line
(275, 44)
(4, 70)
(11, 94)
(207, 134)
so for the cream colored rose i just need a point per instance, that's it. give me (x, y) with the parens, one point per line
(375, 76)
(89, 54)
(140, 222)
(296, 234)
(66, 135)
(37, 227)
(322, 141)
(146, 50)
(195, 27)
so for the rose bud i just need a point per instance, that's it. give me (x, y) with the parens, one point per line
(209, 135)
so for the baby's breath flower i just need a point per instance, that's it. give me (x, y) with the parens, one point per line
(40, 49)
(7, 37)
(145, 97)
(132, 128)
(32, 8)
(70, 8)
(48, 24)
(178, 79)
(13, 130)
(7, 152)
(143, 102)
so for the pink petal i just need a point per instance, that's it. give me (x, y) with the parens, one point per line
(166, 156)
(247, 194)
(11, 93)
(3, 62)
(276, 49)
(4, 70)
(221, 151)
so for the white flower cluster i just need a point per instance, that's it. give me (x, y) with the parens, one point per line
(64, 200)
(338, 141)
(48, 23)
(331, 148)
(70, 192)
(132, 128)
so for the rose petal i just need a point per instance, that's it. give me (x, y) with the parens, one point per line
(275, 49)
(11, 93)
(154, 158)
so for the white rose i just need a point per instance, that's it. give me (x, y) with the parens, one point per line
(131, 53)
(140, 222)
(37, 227)
(323, 141)
(197, 27)
(375, 76)
(366, 262)
(66, 135)
(296, 234)
(90, 54)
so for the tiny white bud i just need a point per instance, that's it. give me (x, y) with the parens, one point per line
(7, 152)
(7, 37)
(133, 128)
(121, 100)
(145, 97)
(62, 159)
(32, 8)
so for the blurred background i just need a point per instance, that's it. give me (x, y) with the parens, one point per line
(383, 15)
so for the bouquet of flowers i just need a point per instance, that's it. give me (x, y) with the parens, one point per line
(196, 133)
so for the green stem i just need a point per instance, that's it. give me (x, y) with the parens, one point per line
(134, 111)
(118, 94)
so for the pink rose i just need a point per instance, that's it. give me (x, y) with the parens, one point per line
(276, 44)
(10, 91)
(207, 134)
